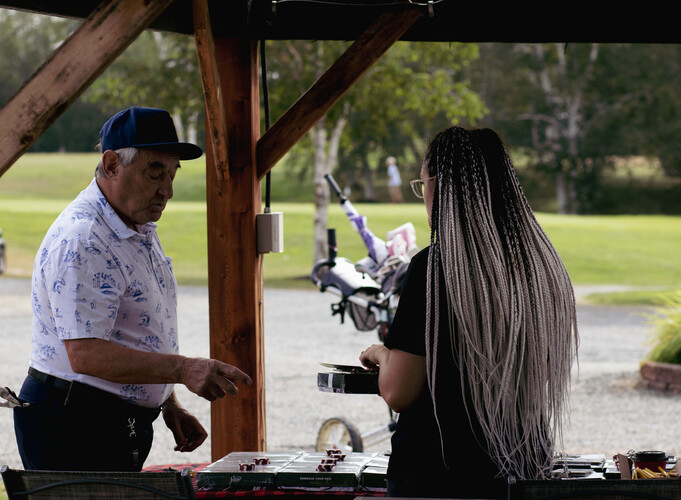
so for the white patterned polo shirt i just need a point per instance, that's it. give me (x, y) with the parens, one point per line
(94, 277)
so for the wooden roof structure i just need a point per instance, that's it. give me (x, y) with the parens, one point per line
(442, 20)
(238, 156)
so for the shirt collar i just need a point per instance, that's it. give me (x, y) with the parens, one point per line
(111, 218)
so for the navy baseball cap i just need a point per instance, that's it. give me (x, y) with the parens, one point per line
(152, 128)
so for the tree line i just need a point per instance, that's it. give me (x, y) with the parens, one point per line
(572, 108)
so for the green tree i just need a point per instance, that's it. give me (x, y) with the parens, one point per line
(415, 90)
(157, 70)
(412, 91)
(26, 41)
(293, 66)
(576, 107)
(560, 118)
(648, 121)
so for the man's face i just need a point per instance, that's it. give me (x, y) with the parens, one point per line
(139, 192)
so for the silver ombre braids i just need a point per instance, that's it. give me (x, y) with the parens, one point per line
(509, 300)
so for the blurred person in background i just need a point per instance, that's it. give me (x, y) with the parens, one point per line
(394, 180)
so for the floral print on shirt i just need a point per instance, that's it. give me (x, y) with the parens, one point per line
(96, 278)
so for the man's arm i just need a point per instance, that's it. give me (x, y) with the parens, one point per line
(209, 378)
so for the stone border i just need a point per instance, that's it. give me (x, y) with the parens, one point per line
(664, 377)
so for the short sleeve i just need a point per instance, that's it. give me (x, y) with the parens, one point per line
(407, 331)
(83, 285)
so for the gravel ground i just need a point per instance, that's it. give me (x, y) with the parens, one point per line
(609, 412)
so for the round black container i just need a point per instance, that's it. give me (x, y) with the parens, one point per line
(649, 459)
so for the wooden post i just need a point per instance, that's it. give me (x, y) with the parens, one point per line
(69, 71)
(234, 265)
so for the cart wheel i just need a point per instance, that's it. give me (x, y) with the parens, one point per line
(338, 433)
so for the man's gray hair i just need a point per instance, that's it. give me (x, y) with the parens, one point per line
(125, 155)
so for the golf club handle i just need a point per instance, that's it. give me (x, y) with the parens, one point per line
(331, 243)
(334, 187)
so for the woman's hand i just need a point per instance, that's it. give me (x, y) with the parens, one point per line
(401, 375)
(374, 355)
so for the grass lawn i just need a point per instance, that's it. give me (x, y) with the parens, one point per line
(640, 251)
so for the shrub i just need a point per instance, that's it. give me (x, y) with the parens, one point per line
(667, 331)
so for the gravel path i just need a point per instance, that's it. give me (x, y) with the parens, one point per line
(609, 412)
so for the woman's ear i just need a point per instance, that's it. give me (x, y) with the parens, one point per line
(110, 164)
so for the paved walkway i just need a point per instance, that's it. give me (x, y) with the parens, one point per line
(609, 413)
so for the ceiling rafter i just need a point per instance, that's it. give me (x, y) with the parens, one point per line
(69, 71)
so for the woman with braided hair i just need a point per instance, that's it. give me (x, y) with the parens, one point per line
(478, 358)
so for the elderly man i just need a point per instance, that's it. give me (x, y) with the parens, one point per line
(105, 342)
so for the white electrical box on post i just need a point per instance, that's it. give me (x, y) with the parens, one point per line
(270, 231)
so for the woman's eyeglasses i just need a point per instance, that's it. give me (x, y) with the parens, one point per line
(418, 186)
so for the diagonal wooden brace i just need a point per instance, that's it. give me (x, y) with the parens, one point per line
(83, 56)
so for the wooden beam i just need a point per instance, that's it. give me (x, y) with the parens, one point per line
(212, 91)
(331, 86)
(235, 285)
(69, 71)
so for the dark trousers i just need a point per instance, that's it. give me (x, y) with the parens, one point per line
(80, 428)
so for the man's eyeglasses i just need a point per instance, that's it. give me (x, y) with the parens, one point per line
(418, 186)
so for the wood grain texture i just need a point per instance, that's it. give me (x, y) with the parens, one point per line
(212, 91)
(234, 266)
(69, 71)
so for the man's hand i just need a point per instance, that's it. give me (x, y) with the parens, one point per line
(188, 432)
(211, 379)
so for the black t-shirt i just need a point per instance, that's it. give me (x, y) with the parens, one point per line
(417, 451)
